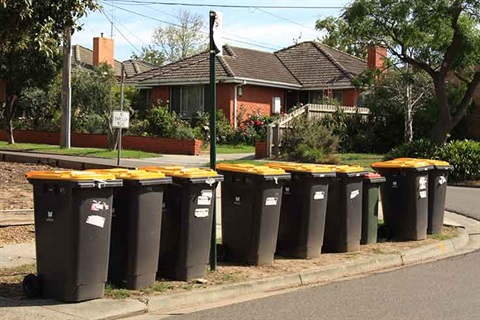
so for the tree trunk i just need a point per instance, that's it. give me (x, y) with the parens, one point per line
(9, 112)
(408, 111)
(112, 136)
(443, 127)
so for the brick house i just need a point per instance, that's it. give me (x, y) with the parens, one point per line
(250, 80)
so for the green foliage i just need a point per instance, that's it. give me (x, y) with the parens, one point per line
(253, 128)
(464, 155)
(163, 123)
(465, 158)
(151, 55)
(36, 111)
(309, 141)
(182, 40)
(201, 126)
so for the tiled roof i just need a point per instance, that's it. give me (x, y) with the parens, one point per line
(83, 57)
(316, 65)
(307, 65)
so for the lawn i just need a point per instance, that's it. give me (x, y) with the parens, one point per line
(224, 148)
(87, 152)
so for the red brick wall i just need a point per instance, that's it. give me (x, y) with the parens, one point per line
(149, 144)
(3, 90)
(350, 97)
(256, 98)
(225, 96)
(160, 93)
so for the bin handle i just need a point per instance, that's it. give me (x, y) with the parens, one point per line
(100, 183)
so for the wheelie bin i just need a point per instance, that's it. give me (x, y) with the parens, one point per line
(343, 221)
(136, 225)
(251, 202)
(304, 204)
(405, 197)
(370, 201)
(72, 234)
(186, 222)
(437, 192)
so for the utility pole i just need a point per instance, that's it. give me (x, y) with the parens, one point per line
(65, 130)
(119, 146)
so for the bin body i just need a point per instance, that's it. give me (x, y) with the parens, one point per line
(343, 221)
(250, 216)
(72, 235)
(437, 192)
(370, 202)
(405, 198)
(187, 227)
(302, 216)
(136, 226)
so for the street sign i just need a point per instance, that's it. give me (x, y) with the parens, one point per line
(121, 119)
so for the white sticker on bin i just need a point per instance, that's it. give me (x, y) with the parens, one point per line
(271, 201)
(319, 195)
(201, 213)
(97, 221)
(354, 193)
(422, 183)
(423, 194)
(205, 199)
(442, 180)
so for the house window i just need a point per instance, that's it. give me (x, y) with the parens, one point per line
(187, 101)
(338, 95)
(276, 105)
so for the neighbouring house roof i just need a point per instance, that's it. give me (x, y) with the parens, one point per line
(83, 57)
(316, 65)
(307, 65)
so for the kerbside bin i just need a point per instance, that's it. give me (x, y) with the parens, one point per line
(251, 202)
(186, 222)
(370, 202)
(73, 211)
(343, 221)
(405, 197)
(437, 192)
(136, 225)
(304, 204)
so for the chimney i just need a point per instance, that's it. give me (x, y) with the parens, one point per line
(103, 51)
(376, 56)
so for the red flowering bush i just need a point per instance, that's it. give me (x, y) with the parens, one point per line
(252, 129)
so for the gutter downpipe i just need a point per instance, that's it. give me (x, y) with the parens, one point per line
(235, 102)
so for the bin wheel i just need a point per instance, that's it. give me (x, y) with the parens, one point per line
(31, 286)
(384, 232)
(221, 252)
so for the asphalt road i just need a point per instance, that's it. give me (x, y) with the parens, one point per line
(446, 289)
(464, 201)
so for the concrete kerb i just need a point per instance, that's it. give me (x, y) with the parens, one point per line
(165, 303)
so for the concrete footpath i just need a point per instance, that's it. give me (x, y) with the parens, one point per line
(467, 240)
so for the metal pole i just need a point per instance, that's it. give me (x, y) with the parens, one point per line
(213, 141)
(119, 147)
(65, 131)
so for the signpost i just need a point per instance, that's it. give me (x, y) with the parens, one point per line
(215, 49)
(120, 120)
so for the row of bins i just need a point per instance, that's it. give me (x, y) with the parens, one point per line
(86, 221)
(109, 225)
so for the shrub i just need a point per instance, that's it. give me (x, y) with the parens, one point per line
(201, 127)
(309, 141)
(416, 149)
(253, 128)
(465, 157)
(163, 123)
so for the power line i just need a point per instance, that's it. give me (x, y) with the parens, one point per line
(288, 20)
(204, 32)
(116, 28)
(140, 2)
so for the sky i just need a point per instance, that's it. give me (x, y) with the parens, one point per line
(256, 26)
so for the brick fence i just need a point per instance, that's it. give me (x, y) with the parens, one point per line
(86, 140)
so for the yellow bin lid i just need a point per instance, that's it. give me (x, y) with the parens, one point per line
(69, 175)
(128, 174)
(342, 168)
(299, 167)
(430, 161)
(182, 172)
(250, 168)
(403, 163)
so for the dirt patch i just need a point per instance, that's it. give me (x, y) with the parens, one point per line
(17, 234)
(15, 191)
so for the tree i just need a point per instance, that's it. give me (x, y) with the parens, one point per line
(336, 36)
(30, 34)
(151, 55)
(437, 36)
(181, 40)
